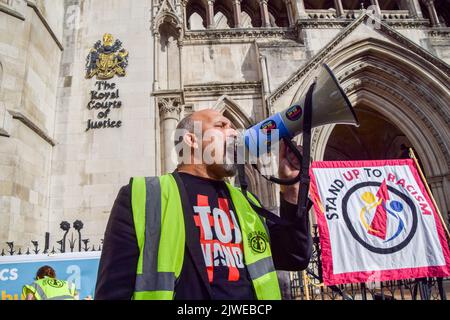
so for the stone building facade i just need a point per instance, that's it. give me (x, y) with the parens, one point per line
(246, 58)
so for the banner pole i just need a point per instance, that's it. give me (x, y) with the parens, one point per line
(412, 155)
(306, 284)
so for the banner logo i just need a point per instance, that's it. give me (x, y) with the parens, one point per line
(392, 215)
(376, 222)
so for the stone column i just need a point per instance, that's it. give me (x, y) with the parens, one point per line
(438, 190)
(414, 9)
(339, 8)
(169, 112)
(432, 13)
(377, 8)
(180, 55)
(290, 12)
(210, 15)
(237, 13)
(183, 3)
(301, 9)
(156, 52)
(265, 78)
(264, 13)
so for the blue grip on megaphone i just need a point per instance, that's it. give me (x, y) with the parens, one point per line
(260, 136)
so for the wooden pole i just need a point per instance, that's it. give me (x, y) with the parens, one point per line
(424, 180)
(306, 284)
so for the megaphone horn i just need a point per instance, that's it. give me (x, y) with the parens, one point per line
(329, 104)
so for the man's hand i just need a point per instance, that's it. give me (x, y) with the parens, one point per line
(288, 169)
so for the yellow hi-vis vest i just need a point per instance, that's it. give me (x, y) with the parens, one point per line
(51, 289)
(160, 231)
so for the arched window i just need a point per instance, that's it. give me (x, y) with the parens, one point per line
(196, 15)
(223, 14)
(246, 21)
(323, 5)
(168, 60)
(442, 9)
(221, 21)
(390, 5)
(196, 22)
(252, 10)
(355, 4)
(278, 13)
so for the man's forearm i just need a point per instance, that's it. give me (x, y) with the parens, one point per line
(290, 193)
(291, 246)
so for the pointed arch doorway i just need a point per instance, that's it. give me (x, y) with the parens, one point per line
(405, 95)
(377, 138)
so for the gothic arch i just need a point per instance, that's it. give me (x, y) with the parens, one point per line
(251, 7)
(226, 104)
(257, 185)
(278, 10)
(314, 4)
(168, 30)
(225, 8)
(405, 87)
(196, 6)
(170, 18)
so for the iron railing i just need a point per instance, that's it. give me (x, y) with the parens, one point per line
(83, 244)
(308, 285)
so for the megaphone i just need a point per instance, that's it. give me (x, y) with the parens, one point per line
(324, 103)
(329, 105)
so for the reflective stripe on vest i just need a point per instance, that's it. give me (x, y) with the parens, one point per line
(159, 228)
(259, 264)
(160, 231)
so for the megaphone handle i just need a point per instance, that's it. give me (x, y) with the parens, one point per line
(294, 149)
(304, 172)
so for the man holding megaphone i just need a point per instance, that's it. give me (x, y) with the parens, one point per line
(192, 235)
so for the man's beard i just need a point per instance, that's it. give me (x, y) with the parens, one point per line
(228, 166)
(229, 169)
(230, 158)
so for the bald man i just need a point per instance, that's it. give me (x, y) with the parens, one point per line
(208, 272)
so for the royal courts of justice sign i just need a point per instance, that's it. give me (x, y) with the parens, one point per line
(376, 222)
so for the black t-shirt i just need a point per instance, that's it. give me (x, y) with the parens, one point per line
(220, 238)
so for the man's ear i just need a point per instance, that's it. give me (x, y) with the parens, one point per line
(191, 140)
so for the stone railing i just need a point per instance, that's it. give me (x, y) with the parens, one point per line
(394, 14)
(329, 19)
(353, 14)
(239, 33)
(321, 14)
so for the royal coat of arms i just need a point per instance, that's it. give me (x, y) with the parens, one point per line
(107, 59)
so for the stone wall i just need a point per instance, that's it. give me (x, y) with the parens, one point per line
(52, 169)
(89, 168)
(30, 55)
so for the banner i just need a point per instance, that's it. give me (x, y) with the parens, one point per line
(79, 268)
(376, 222)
